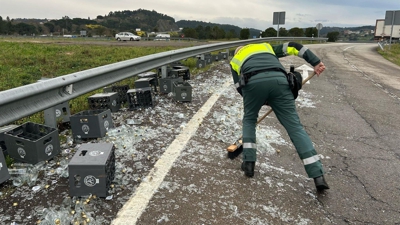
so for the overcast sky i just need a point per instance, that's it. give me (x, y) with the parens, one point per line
(256, 14)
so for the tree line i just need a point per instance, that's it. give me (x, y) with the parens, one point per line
(217, 32)
(115, 22)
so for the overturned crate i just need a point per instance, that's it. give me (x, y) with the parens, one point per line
(92, 170)
(104, 101)
(91, 123)
(58, 113)
(32, 143)
(120, 89)
(182, 91)
(140, 98)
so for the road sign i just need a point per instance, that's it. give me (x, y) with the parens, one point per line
(392, 17)
(279, 18)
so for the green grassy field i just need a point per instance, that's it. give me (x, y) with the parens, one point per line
(391, 54)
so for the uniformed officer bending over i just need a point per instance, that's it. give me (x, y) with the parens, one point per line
(265, 82)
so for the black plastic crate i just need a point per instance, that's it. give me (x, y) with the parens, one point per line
(223, 55)
(141, 98)
(200, 63)
(108, 100)
(92, 170)
(166, 84)
(121, 90)
(91, 123)
(182, 91)
(215, 57)
(32, 143)
(4, 174)
(2, 138)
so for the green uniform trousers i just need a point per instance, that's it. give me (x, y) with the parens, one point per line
(273, 87)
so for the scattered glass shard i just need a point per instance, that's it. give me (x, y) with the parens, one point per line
(134, 121)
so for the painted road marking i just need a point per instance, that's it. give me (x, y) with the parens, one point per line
(134, 207)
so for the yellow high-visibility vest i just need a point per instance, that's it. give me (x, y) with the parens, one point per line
(247, 51)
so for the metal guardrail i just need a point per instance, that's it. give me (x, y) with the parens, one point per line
(26, 100)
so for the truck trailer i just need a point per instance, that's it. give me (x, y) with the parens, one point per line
(382, 31)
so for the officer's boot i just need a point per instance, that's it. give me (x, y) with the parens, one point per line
(320, 183)
(248, 168)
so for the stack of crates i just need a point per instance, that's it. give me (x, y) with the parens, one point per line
(182, 91)
(121, 90)
(92, 170)
(32, 143)
(104, 101)
(140, 98)
(91, 123)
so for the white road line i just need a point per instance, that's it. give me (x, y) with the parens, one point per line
(134, 207)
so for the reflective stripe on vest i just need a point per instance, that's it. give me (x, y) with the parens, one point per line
(293, 51)
(311, 160)
(247, 51)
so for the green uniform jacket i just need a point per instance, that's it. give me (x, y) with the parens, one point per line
(268, 61)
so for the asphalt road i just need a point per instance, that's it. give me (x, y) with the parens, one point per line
(351, 114)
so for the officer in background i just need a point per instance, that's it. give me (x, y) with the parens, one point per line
(260, 78)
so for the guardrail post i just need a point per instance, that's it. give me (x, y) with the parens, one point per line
(164, 72)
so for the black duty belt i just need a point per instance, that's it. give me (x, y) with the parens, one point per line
(246, 77)
(253, 73)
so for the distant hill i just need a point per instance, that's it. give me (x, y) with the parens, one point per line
(144, 19)
(325, 30)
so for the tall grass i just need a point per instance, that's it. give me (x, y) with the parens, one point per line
(391, 53)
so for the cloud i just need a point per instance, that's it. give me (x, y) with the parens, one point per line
(252, 13)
